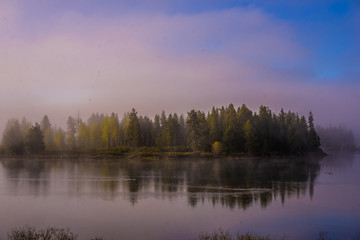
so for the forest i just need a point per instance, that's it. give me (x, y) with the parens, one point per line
(226, 131)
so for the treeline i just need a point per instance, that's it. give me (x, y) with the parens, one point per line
(224, 130)
(336, 138)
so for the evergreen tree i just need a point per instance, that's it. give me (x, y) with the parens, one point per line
(251, 144)
(213, 122)
(282, 133)
(146, 131)
(314, 139)
(13, 138)
(45, 127)
(133, 130)
(181, 140)
(263, 127)
(204, 142)
(234, 131)
(302, 132)
(230, 133)
(45, 123)
(243, 114)
(193, 131)
(35, 140)
(156, 130)
(71, 133)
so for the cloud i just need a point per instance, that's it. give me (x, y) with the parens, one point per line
(154, 61)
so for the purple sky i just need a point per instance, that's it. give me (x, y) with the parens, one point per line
(61, 57)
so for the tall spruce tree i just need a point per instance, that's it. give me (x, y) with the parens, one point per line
(13, 138)
(133, 130)
(35, 140)
(314, 139)
(193, 130)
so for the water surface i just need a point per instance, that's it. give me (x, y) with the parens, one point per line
(178, 199)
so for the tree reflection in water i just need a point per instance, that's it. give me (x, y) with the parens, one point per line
(233, 183)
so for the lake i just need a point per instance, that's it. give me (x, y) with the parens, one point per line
(178, 199)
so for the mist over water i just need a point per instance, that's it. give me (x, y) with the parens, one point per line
(178, 199)
(74, 58)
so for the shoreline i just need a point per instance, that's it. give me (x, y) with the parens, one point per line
(157, 155)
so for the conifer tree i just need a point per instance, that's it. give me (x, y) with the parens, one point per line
(230, 133)
(71, 134)
(250, 137)
(133, 130)
(48, 133)
(35, 140)
(314, 139)
(13, 138)
(193, 130)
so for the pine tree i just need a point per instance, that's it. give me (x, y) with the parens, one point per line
(213, 121)
(314, 139)
(230, 133)
(251, 142)
(13, 138)
(193, 130)
(133, 130)
(35, 140)
(48, 133)
(71, 134)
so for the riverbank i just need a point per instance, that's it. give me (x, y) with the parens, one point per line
(152, 154)
(50, 233)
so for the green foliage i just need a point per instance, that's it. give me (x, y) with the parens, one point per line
(197, 131)
(231, 132)
(216, 148)
(59, 139)
(240, 131)
(133, 130)
(193, 130)
(70, 135)
(35, 140)
(13, 138)
(251, 144)
(314, 139)
(48, 132)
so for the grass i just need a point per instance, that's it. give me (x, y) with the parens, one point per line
(51, 233)
(225, 235)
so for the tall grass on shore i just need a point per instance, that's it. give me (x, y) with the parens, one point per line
(51, 233)
(225, 235)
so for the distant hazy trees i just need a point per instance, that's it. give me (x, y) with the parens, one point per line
(20, 138)
(225, 130)
(13, 137)
(35, 139)
(336, 138)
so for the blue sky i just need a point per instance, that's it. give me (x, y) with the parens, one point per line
(326, 28)
(61, 57)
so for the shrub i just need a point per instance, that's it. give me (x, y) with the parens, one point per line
(225, 235)
(30, 233)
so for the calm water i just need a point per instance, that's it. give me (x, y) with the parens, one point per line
(178, 199)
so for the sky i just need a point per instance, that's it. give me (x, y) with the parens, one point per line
(63, 57)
